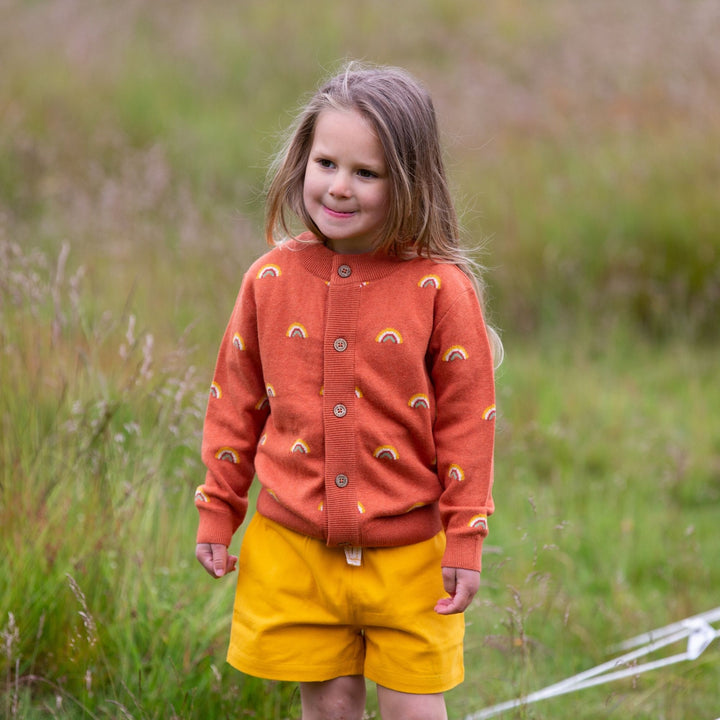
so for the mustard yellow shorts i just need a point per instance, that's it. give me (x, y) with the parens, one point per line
(303, 614)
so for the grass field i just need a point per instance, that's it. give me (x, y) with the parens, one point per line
(581, 142)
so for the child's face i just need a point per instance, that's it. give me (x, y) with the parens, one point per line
(346, 189)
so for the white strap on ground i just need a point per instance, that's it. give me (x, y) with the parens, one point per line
(711, 616)
(696, 629)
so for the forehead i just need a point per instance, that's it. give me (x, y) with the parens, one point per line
(347, 131)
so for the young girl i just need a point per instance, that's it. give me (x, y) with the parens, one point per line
(355, 379)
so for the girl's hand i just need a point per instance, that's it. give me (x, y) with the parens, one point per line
(215, 559)
(462, 585)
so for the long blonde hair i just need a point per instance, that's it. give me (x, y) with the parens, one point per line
(422, 220)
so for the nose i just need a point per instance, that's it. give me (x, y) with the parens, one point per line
(340, 185)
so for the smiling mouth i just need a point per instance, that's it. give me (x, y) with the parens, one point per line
(337, 213)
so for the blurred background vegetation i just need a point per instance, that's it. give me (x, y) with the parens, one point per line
(581, 141)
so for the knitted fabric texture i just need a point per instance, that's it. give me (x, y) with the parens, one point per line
(359, 389)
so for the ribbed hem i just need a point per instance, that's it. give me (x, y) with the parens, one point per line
(396, 531)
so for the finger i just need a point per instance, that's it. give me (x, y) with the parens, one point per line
(449, 576)
(462, 598)
(461, 585)
(452, 605)
(219, 559)
(203, 552)
(446, 605)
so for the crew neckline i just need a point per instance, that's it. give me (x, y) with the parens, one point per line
(324, 262)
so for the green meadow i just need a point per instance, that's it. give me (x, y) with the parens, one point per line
(582, 143)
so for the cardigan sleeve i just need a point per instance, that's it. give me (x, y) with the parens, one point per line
(464, 429)
(236, 414)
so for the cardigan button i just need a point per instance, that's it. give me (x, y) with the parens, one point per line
(340, 410)
(341, 480)
(340, 344)
(344, 271)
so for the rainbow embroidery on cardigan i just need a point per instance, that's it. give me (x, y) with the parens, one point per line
(300, 446)
(432, 281)
(419, 400)
(456, 352)
(455, 472)
(270, 390)
(479, 521)
(200, 496)
(358, 391)
(389, 335)
(415, 506)
(262, 403)
(269, 271)
(386, 452)
(215, 390)
(228, 454)
(489, 413)
(296, 330)
(361, 508)
(238, 342)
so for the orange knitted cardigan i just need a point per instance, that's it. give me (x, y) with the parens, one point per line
(359, 389)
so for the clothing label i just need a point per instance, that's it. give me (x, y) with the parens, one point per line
(353, 555)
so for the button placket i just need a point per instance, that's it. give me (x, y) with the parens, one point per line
(339, 404)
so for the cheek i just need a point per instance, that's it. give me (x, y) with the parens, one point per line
(310, 186)
(382, 202)
(307, 190)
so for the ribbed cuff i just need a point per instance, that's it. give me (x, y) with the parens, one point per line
(463, 552)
